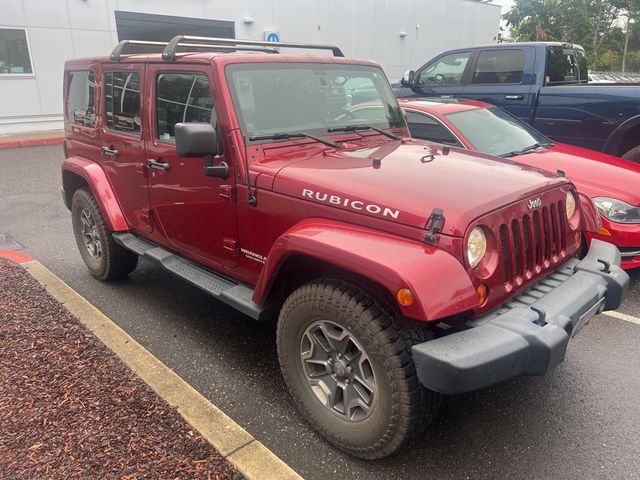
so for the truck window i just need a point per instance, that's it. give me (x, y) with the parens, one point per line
(182, 97)
(446, 71)
(562, 66)
(122, 101)
(582, 66)
(428, 128)
(80, 98)
(499, 66)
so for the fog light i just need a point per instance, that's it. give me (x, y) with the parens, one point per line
(482, 291)
(404, 296)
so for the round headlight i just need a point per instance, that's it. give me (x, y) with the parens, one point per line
(476, 246)
(570, 205)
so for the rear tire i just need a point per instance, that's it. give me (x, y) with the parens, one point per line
(633, 154)
(337, 342)
(105, 259)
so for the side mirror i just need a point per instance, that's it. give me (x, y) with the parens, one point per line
(200, 140)
(195, 139)
(408, 78)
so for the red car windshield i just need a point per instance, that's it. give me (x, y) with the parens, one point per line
(496, 132)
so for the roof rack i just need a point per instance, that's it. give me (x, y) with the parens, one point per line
(118, 51)
(169, 53)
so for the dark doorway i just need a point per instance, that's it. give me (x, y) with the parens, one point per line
(161, 28)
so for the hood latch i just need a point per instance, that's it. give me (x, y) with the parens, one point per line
(434, 226)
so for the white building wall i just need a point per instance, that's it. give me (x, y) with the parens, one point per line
(58, 30)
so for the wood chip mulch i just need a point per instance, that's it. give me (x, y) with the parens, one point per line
(69, 408)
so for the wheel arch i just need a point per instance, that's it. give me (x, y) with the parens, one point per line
(625, 137)
(317, 248)
(78, 172)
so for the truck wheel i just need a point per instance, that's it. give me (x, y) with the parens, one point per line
(633, 154)
(346, 359)
(105, 259)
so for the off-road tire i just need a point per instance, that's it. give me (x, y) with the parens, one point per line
(403, 406)
(114, 262)
(633, 154)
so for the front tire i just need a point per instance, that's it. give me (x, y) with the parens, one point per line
(346, 358)
(105, 259)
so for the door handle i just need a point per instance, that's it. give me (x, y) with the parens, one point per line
(513, 97)
(151, 163)
(109, 152)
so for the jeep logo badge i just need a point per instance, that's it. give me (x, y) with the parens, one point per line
(534, 203)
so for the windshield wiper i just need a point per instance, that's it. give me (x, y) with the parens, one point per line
(535, 146)
(287, 136)
(353, 128)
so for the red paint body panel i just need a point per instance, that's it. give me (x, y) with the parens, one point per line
(593, 173)
(439, 282)
(101, 188)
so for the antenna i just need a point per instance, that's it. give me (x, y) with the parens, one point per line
(251, 197)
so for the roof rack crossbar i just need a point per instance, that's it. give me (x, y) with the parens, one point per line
(118, 51)
(169, 53)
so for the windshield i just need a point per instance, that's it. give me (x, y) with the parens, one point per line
(274, 98)
(494, 131)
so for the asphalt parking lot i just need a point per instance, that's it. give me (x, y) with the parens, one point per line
(580, 421)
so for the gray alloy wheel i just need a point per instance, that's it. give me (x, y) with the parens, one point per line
(90, 234)
(338, 370)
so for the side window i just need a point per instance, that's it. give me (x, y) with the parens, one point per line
(122, 101)
(582, 66)
(81, 90)
(182, 97)
(561, 65)
(499, 66)
(427, 128)
(446, 71)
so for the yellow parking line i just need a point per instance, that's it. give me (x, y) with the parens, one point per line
(623, 316)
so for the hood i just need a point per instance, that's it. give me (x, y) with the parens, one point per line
(593, 173)
(403, 183)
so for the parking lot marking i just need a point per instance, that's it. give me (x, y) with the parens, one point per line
(253, 459)
(623, 316)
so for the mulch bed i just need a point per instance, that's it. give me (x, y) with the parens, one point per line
(69, 408)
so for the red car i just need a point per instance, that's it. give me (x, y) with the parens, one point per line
(613, 183)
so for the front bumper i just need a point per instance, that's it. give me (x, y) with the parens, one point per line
(529, 334)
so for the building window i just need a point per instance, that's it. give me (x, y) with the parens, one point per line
(81, 98)
(182, 97)
(14, 52)
(122, 101)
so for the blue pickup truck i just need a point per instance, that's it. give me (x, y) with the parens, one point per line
(543, 83)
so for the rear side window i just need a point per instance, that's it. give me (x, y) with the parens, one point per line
(563, 66)
(122, 101)
(499, 66)
(182, 98)
(426, 128)
(81, 98)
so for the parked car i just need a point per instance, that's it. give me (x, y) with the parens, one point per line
(613, 183)
(542, 83)
(390, 267)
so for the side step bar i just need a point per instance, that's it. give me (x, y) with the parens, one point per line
(233, 294)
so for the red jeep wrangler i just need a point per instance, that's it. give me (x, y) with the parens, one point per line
(287, 185)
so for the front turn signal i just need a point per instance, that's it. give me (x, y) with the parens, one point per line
(483, 292)
(404, 297)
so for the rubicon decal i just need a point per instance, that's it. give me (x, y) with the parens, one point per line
(350, 203)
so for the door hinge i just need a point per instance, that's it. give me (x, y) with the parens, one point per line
(230, 244)
(227, 191)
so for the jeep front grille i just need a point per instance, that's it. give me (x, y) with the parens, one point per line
(532, 243)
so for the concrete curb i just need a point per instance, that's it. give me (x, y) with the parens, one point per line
(251, 457)
(30, 142)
